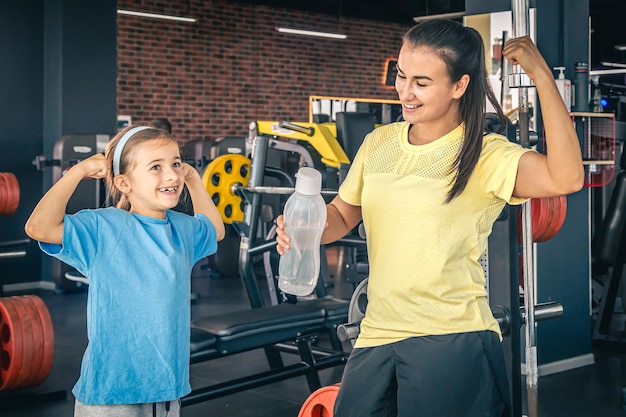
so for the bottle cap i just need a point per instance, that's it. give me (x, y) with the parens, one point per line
(308, 181)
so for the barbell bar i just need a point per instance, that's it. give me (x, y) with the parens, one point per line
(543, 311)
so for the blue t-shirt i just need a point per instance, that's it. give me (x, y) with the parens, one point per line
(138, 312)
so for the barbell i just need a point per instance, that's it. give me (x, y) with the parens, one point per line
(229, 174)
(358, 305)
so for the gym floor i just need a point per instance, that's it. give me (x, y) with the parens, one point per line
(594, 390)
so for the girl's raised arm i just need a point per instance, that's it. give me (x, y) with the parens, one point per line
(201, 199)
(45, 223)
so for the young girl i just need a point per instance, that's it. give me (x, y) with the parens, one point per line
(138, 257)
(428, 191)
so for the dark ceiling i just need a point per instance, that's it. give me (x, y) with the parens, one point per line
(607, 16)
(403, 11)
(397, 11)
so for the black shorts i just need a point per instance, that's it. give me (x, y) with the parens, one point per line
(455, 375)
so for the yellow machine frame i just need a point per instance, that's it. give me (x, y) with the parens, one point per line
(322, 136)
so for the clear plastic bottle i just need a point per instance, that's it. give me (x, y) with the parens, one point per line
(305, 218)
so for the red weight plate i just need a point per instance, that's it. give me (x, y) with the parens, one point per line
(28, 347)
(14, 193)
(48, 339)
(6, 185)
(535, 205)
(11, 359)
(6, 343)
(559, 215)
(538, 209)
(554, 212)
(320, 403)
(37, 341)
(547, 219)
(4, 194)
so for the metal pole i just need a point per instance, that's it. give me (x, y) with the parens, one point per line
(520, 80)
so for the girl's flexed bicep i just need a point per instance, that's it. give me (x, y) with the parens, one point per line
(202, 202)
(45, 223)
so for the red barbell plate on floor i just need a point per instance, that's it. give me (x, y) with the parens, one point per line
(29, 349)
(11, 344)
(37, 342)
(47, 346)
(26, 342)
(320, 403)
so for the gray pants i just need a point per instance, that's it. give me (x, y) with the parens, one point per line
(164, 409)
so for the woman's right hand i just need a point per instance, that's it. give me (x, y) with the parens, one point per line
(282, 239)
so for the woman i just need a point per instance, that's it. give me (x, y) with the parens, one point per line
(428, 191)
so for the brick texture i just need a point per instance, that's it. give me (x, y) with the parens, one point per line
(212, 77)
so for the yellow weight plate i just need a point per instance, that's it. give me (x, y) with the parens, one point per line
(219, 177)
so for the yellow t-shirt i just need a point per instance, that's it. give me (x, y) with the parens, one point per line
(424, 274)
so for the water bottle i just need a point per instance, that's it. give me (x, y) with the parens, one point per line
(305, 219)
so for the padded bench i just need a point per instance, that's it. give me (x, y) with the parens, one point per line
(224, 334)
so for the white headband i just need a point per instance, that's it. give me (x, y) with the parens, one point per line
(120, 147)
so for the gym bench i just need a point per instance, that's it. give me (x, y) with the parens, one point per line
(283, 327)
(279, 327)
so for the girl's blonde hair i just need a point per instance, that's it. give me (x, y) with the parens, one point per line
(116, 197)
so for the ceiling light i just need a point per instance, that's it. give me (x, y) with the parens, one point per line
(439, 16)
(620, 47)
(157, 16)
(312, 33)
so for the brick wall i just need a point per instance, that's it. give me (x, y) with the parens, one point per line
(212, 77)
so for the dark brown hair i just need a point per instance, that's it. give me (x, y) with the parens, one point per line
(462, 50)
